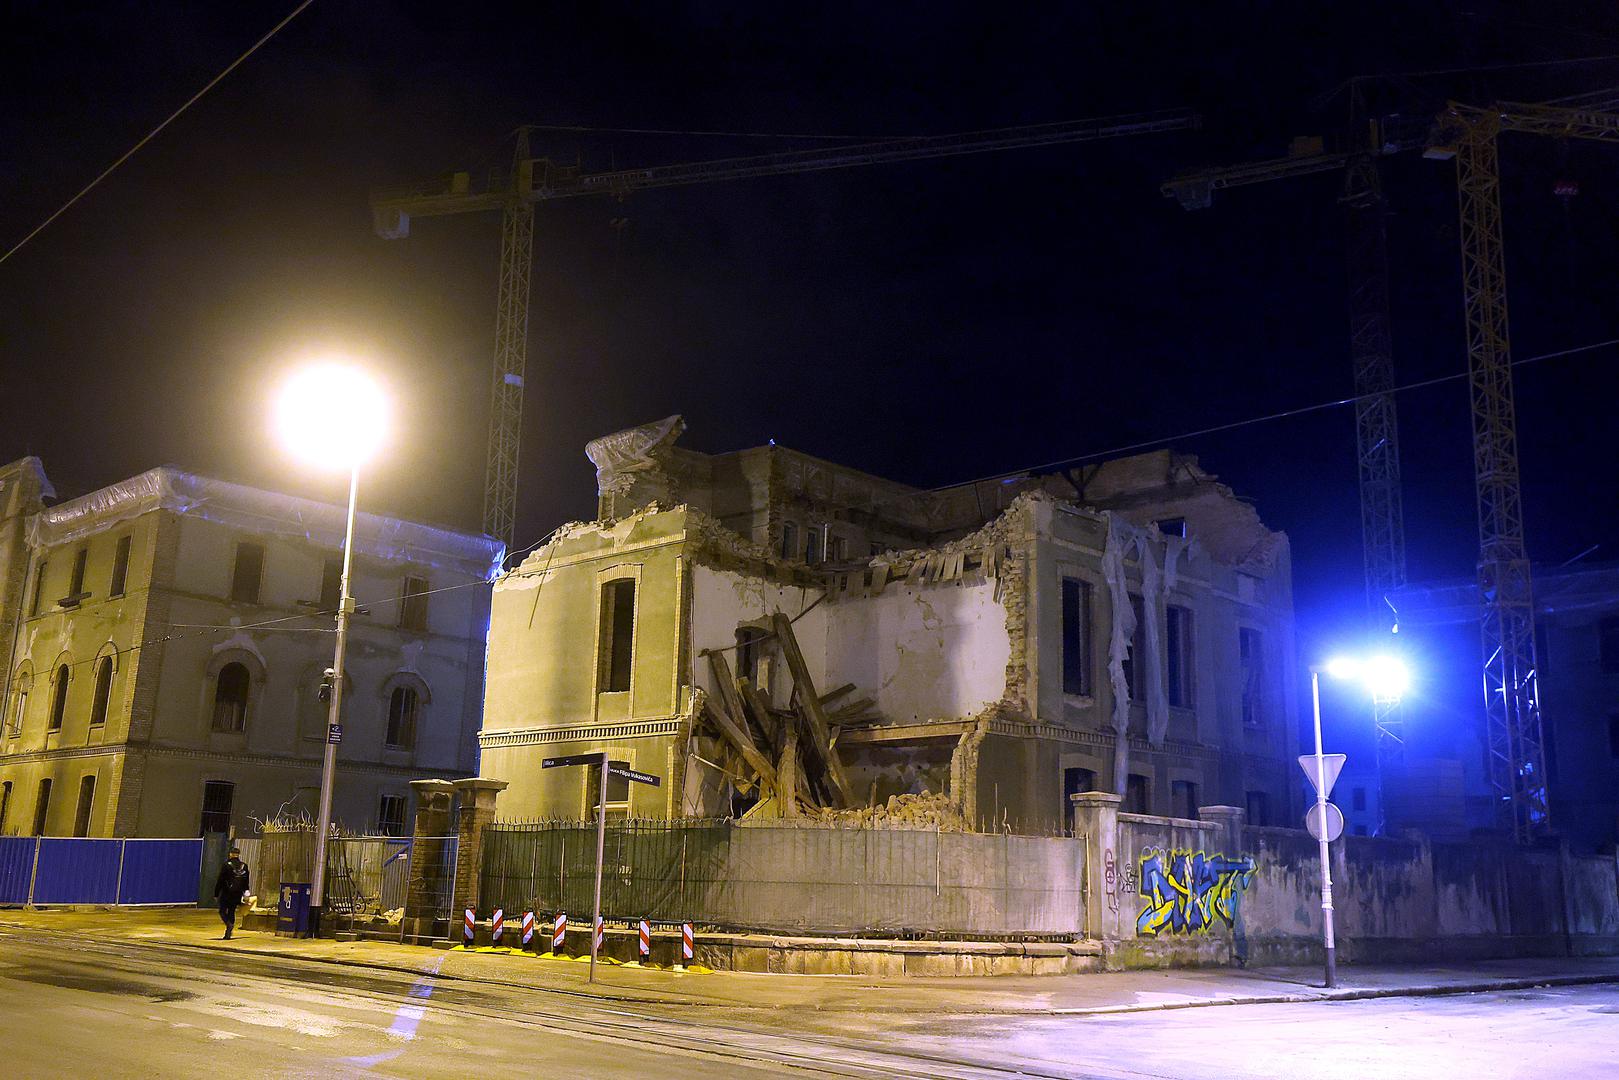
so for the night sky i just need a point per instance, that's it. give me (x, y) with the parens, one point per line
(930, 321)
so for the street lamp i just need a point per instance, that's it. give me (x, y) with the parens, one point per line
(334, 416)
(1385, 678)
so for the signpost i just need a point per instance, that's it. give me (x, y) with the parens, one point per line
(616, 768)
(1322, 771)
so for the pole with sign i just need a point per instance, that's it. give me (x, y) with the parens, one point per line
(617, 768)
(1322, 771)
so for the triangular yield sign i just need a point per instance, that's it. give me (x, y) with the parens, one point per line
(1333, 762)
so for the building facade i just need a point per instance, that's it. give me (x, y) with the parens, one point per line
(1127, 627)
(167, 640)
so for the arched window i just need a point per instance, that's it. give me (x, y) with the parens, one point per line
(103, 697)
(402, 704)
(59, 698)
(230, 697)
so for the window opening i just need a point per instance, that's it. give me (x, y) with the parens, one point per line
(1183, 799)
(59, 698)
(120, 567)
(39, 587)
(789, 540)
(247, 573)
(1075, 781)
(1178, 624)
(1076, 636)
(391, 815)
(19, 713)
(87, 798)
(402, 718)
(413, 608)
(812, 546)
(1135, 674)
(1251, 647)
(1258, 808)
(103, 695)
(1135, 794)
(331, 584)
(42, 807)
(750, 643)
(218, 798)
(617, 635)
(75, 585)
(231, 686)
(5, 805)
(618, 793)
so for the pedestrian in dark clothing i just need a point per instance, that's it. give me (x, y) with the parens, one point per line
(229, 889)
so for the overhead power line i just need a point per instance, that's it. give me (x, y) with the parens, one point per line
(150, 135)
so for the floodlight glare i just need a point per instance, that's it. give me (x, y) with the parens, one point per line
(1384, 677)
(1343, 667)
(333, 415)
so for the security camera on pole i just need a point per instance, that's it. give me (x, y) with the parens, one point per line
(333, 415)
(1385, 678)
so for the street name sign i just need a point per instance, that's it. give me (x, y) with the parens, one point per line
(622, 769)
(571, 759)
(1334, 764)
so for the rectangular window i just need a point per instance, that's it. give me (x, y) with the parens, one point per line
(413, 608)
(402, 704)
(87, 799)
(217, 799)
(789, 540)
(1258, 808)
(1358, 798)
(1075, 781)
(837, 549)
(876, 549)
(39, 588)
(1251, 650)
(618, 793)
(1183, 799)
(331, 584)
(617, 636)
(248, 572)
(750, 642)
(42, 807)
(1179, 646)
(1076, 636)
(120, 567)
(1608, 644)
(75, 585)
(1136, 800)
(5, 805)
(19, 713)
(391, 815)
(812, 546)
(1135, 660)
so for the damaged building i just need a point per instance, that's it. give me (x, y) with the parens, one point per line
(776, 635)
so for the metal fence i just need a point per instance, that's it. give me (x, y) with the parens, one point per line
(80, 870)
(367, 877)
(792, 878)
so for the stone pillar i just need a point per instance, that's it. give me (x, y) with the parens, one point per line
(423, 887)
(477, 798)
(1096, 819)
(1231, 820)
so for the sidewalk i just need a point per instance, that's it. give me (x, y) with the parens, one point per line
(1131, 991)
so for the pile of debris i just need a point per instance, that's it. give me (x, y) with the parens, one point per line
(925, 811)
(789, 754)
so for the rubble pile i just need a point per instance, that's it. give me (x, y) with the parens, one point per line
(925, 811)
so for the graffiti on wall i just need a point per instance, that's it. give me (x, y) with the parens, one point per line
(1186, 891)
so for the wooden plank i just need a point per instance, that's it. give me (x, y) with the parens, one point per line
(761, 711)
(727, 709)
(832, 695)
(787, 794)
(809, 704)
(839, 716)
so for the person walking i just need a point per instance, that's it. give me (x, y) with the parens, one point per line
(230, 887)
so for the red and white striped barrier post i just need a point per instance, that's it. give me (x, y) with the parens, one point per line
(686, 950)
(559, 935)
(468, 925)
(528, 928)
(646, 940)
(497, 926)
(601, 932)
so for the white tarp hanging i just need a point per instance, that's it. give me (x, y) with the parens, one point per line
(1158, 558)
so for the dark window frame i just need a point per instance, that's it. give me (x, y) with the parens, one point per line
(1135, 673)
(1260, 801)
(404, 710)
(1137, 794)
(389, 824)
(1078, 601)
(1183, 796)
(5, 804)
(247, 573)
(119, 581)
(616, 636)
(102, 699)
(39, 587)
(789, 540)
(84, 810)
(59, 688)
(1251, 665)
(42, 807)
(233, 708)
(1180, 661)
(413, 604)
(212, 812)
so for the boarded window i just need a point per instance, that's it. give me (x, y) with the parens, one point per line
(59, 698)
(789, 540)
(218, 798)
(1251, 650)
(391, 815)
(1076, 636)
(103, 695)
(247, 573)
(1179, 646)
(617, 636)
(1258, 808)
(230, 698)
(87, 799)
(402, 705)
(120, 567)
(331, 584)
(42, 807)
(413, 607)
(1136, 795)
(1183, 799)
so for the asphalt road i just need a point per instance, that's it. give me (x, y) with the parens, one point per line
(116, 1009)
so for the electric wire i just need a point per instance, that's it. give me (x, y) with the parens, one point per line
(150, 135)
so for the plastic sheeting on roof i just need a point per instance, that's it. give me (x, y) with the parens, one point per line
(265, 512)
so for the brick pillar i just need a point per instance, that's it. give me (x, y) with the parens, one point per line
(477, 798)
(432, 825)
(1096, 818)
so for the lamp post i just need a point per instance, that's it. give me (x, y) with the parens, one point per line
(1385, 679)
(333, 415)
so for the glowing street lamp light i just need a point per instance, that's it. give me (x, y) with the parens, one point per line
(334, 416)
(1385, 678)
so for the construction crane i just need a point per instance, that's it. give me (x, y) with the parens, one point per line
(1382, 517)
(532, 180)
(1515, 739)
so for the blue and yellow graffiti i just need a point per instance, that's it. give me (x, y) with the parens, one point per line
(1186, 891)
